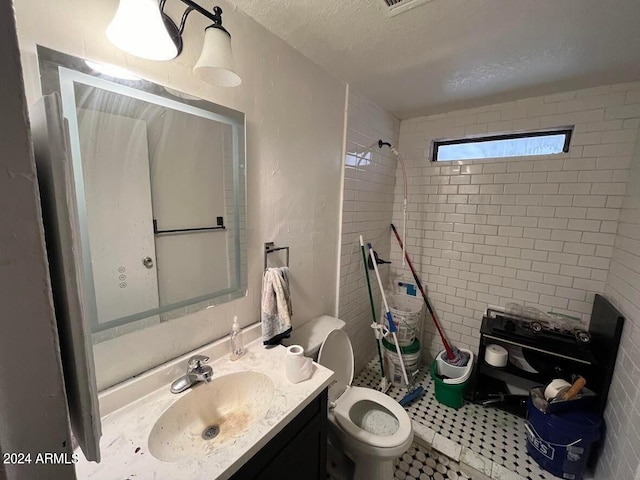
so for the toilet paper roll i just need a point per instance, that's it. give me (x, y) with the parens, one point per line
(555, 388)
(297, 367)
(496, 355)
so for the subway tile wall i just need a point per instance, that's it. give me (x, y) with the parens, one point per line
(621, 453)
(537, 230)
(370, 178)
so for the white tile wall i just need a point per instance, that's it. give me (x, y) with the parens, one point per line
(621, 454)
(538, 230)
(370, 177)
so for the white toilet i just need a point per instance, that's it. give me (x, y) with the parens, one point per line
(371, 427)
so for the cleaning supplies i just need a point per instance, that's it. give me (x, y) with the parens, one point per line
(454, 355)
(235, 340)
(412, 391)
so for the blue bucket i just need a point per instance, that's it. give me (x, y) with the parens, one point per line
(561, 442)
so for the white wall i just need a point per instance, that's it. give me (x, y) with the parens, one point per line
(538, 230)
(295, 122)
(33, 416)
(621, 455)
(367, 207)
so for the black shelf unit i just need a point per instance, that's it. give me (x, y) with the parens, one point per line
(550, 354)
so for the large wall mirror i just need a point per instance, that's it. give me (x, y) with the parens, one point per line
(160, 192)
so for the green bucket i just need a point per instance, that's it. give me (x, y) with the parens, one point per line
(451, 395)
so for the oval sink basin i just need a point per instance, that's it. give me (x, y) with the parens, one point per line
(211, 415)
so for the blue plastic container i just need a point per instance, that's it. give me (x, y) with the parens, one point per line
(561, 442)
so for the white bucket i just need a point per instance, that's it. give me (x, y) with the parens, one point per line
(456, 374)
(392, 367)
(406, 313)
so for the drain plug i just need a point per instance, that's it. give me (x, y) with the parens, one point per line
(211, 432)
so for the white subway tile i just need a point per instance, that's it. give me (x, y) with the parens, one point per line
(571, 212)
(590, 200)
(563, 258)
(584, 225)
(524, 222)
(545, 267)
(542, 211)
(520, 166)
(608, 188)
(541, 288)
(595, 176)
(554, 301)
(594, 262)
(558, 280)
(598, 238)
(529, 276)
(575, 271)
(537, 255)
(558, 200)
(603, 213)
(575, 188)
(552, 245)
(578, 164)
(518, 242)
(543, 188)
(540, 233)
(579, 248)
(559, 223)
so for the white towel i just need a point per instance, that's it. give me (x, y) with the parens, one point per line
(275, 306)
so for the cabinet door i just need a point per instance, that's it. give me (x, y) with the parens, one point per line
(304, 457)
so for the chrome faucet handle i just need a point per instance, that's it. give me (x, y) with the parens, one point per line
(197, 361)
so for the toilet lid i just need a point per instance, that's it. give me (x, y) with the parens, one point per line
(336, 354)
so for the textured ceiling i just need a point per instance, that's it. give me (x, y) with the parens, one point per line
(449, 54)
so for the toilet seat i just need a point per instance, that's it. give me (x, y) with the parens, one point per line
(336, 354)
(351, 397)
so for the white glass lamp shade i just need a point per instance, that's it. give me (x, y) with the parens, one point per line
(216, 65)
(138, 29)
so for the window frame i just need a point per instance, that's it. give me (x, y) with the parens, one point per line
(436, 144)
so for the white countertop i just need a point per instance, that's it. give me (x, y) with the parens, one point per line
(124, 450)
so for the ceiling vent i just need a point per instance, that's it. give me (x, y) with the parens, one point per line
(394, 7)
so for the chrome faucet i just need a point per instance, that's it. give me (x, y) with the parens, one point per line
(197, 372)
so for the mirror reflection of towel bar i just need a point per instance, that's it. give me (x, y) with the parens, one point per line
(174, 231)
(269, 247)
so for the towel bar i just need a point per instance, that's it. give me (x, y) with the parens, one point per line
(269, 247)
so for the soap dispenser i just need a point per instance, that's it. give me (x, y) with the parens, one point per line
(235, 338)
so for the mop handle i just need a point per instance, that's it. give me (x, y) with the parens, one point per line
(447, 347)
(387, 311)
(392, 327)
(371, 303)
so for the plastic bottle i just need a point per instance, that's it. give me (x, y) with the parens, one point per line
(235, 338)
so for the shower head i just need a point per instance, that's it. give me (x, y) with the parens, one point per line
(393, 149)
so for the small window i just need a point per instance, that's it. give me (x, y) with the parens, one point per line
(524, 144)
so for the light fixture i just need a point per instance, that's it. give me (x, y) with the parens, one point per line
(141, 28)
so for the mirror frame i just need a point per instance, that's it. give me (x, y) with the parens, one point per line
(58, 73)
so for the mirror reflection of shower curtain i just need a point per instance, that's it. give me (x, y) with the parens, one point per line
(115, 163)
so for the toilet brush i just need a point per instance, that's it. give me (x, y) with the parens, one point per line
(384, 384)
(412, 393)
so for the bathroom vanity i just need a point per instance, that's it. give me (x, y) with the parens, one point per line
(280, 427)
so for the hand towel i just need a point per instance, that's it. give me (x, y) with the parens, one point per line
(275, 306)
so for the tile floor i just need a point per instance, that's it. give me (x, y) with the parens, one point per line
(423, 463)
(488, 439)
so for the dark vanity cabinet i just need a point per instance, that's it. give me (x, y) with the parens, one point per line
(298, 451)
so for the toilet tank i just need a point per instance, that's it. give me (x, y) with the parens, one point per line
(311, 335)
